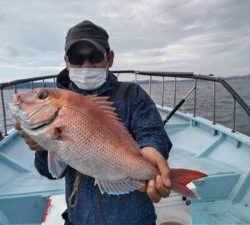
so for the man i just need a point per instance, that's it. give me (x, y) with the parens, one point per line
(88, 58)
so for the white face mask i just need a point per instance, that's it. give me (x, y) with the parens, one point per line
(88, 78)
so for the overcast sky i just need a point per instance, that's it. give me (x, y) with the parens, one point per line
(198, 36)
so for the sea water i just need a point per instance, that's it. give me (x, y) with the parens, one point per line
(204, 100)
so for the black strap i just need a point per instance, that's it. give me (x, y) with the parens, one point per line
(65, 217)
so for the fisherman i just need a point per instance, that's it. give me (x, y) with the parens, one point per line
(88, 58)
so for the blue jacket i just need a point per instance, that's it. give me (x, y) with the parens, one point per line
(140, 116)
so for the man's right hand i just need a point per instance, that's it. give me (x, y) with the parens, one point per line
(32, 144)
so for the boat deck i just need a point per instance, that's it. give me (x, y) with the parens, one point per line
(197, 144)
(224, 156)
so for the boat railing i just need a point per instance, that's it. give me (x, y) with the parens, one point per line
(194, 77)
(161, 76)
(14, 86)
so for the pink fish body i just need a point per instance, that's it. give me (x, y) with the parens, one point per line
(86, 133)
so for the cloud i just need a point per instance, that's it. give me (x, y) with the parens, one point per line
(182, 35)
(8, 51)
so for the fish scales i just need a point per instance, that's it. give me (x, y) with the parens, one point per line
(96, 144)
(86, 133)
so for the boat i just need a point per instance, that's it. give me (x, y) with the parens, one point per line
(221, 152)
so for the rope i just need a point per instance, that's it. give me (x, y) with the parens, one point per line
(73, 197)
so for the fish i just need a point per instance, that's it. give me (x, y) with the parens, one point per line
(86, 133)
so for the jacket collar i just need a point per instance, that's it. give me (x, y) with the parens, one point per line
(64, 82)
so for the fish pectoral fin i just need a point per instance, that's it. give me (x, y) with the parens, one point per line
(57, 133)
(119, 187)
(56, 166)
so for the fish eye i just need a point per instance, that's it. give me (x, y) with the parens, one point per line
(42, 94)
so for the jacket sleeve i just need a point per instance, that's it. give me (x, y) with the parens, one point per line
(146, 123)
(41, 164)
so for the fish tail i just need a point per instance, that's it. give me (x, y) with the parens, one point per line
(181, 177)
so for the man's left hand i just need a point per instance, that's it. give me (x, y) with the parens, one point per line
(161, 185)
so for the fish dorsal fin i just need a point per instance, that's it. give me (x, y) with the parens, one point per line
(103, 103)
(108, 116)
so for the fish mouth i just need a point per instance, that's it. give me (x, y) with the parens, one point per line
(26, 119)
(39, 126)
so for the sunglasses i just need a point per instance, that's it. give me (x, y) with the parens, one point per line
(77, 58)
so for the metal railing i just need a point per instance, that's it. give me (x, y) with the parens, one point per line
(162, 75)
(191, 76)
(14, 84)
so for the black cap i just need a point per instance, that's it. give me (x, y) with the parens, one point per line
(87, 31)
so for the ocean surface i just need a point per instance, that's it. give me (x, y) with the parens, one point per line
(204, 102)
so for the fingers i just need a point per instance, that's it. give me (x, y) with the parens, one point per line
(35, 147)
(151, 191)
(153, 156)
(24, 135)
(164, 172)
(17, 125)
(161, 185)
(163, 182)
(161, 189)
(156, 189)
(143, 188)
(32, 144)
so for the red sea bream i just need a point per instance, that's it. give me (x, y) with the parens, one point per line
(86, 133)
